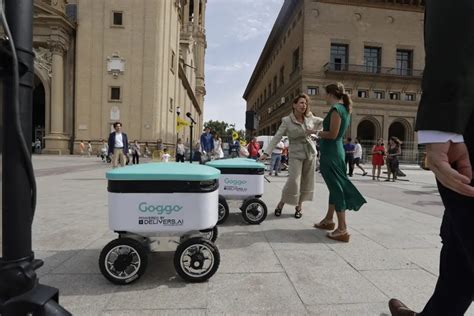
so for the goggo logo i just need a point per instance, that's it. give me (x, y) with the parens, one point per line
(158, 209)
(234, 182)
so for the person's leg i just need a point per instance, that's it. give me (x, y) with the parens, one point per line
(277, 164)
(373, 171)
(272, 163)
(351, 165)
(307, 182)
(122, 158)
(379, 171)
(454, 290)
(341, 221)
(115, 158)
(291, 191)
(138, 159)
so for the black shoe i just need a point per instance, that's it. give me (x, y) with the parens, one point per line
(397, 308)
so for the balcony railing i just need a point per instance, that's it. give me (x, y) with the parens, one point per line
(372, 70)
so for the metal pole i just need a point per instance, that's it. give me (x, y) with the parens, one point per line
(191, 143)
(20, 292)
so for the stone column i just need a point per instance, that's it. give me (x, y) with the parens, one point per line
(56, 141)
(186, 15)
(196, 14)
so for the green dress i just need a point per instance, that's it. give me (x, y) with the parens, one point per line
(342, 193)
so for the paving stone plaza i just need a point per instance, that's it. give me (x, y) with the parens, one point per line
(282, 266)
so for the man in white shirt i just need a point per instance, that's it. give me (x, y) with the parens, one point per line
(276, 158)
(118, 146)
(358, 156)
(445, 123)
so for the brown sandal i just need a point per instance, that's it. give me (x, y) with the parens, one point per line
(325, 225)
(337, 235)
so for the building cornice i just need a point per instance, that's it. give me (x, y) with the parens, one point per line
(414, 6)
(286, 11)
(189, 89)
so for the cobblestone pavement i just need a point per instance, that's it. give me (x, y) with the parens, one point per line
(282, 266)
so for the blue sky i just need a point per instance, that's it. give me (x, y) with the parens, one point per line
(236, 33)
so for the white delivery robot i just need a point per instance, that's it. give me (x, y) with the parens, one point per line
(162, 200)
(241, 179)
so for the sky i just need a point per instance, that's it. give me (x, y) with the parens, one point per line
(236, 31)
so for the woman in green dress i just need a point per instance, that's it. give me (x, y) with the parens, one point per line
(343, 195)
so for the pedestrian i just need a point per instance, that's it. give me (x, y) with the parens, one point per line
(358, 156)
(197, 156)
(37, 146)
(349, 149)
(276, 158)
(104, 149)
(378, 154)
(253, 148)
(218, 153)
(207, 145)
(159, 147)
(165, 157)
(82, 148)
(299, 186)
(89, 149)
(135, 152)
(393, 152)
(146, 152)
(445, 123)
(343, 195)
(180, 150)
(234, 148)
(118, 146)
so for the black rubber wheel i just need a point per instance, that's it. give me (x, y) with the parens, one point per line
(210, 234)
(196, 259)
(254, 211)
(123, 261)
(223, 210)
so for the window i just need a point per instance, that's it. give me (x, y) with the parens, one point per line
(363, 93)
(394, 95)
(296, 59)
(313, 90)
(171, 105)
(339, 57)
(115, 94)
(372, 59)
(173, 60)
(410, 97)
(404, 62)
(379, 95)
(117, 18)
(282, 76)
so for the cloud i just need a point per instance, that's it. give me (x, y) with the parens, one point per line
(227, 68)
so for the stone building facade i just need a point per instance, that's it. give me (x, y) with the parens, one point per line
(374, 47)
(101, 61)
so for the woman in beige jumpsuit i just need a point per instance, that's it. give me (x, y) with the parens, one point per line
(302, 153)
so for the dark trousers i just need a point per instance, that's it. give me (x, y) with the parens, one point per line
(135, 158)
(350, 162)
(454, 291)
(179, 158)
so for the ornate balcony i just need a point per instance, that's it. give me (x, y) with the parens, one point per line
(335, 68)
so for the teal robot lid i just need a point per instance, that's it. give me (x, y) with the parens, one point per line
(170, 171)
(236, 163)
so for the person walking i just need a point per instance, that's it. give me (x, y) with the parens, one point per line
(146, 151)
(135, 152)
(118, 146)
(393, 152)
(218, 153)
(358, 156)
(299, 186)
(343, 195)
(253, 148)
(197, 155)
(82, 148)
(180, 151)
(207, 144)
(37, 145)
(89, 149)
(349, 148)
(445, 123)
(378, 154)
(276, 158)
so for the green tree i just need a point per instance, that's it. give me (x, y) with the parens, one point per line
(219, 126)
